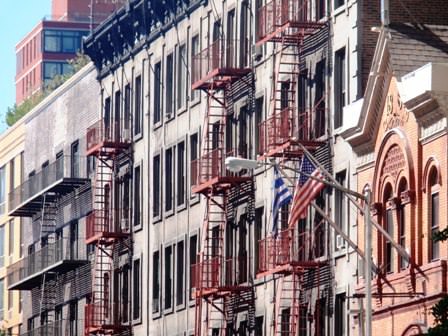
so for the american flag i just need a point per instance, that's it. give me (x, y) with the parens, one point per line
(305, 191)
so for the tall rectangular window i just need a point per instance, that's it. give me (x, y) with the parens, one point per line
(156, 186)
(137, 196)
(138, 105)
(339, 315)
(339, 87)
(402, 233)
(60, 165)
(156, 282)
(182, 77)
(11, 174)
(435, 245)
(2, 245)
(193, 255)
(2, 189)
(117, 117)
(338, 3)
(74, 235)
(157, 93)
(73, 318)
(169, 179)
(2, 296)
(340, 207)
(127, 107)
(319, 99)
(168, 277)
(11, 237)
(194, 156)
(195, 64)
(181, 173)
(74, 168)
(169, 86)
(136, 304)
(388, 253)
(180, 273)
(258, 119)
(258, 233)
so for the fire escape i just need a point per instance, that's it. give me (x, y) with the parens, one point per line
(106, 141)
(290, 256)
(220, 280)
(41, 268)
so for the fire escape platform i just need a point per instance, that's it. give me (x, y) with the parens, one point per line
(104, 148)
(278, 34)
(219, 183)
(289, 149)
(106, 238)
(221, 291)
(106, 329)
(34, 203)
(35, 279)
(290, 268)
(218, 78)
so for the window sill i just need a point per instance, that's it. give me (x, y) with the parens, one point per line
(156, 219)
(157, 125)
(137, 228)
(138, 137)
(181, 110)
(169, 213)
(181, 207)
(196, 101)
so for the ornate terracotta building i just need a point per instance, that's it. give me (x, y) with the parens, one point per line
(401, 142)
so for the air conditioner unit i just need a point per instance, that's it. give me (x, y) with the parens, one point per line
(340, 242)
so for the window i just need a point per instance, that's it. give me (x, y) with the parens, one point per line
(63, 41)
(156, 186)
(401, 209)
(284, 320)
(319, 103)
(244, 41)
(73, 240)
(194, 156)
(123, 275)
(169, 179)
(2, 190)
(156, 282)
(258, 119)
(2, 294)
(22, 245)
(243, 145)
(181, 173)
(169, 86)
(59, 165)
(2, 245)
(259, 326)
(52, 69)
(193, 248)
(157, 93)
(340, 315)
(138, 105)
(136, 290)
(11, 237)
(320, 9)
(73, 318)
(182, 77)
(116, 124)
(388, 253)
(434, 214)
(45, 173)
(127, 106)
(74, 168)
(338, 3)
(107, 116)
(320, 316)
(180, 273)
(339, 87)
(137, 196)
(194, 52)
(340, 207)
(168, 277)
(11, 175)
(258, 233)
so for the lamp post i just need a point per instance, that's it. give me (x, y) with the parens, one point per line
(235, 164)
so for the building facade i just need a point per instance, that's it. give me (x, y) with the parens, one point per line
(400, 142)
(43, 53)
(11, 238)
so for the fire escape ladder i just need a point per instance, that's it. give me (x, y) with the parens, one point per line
(216, 317)
(287, 305)
(48, 299)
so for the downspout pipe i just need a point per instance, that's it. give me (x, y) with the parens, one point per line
(385, 13)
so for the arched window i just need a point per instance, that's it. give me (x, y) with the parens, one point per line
(433, 212)
(388, 253)
(401, 215)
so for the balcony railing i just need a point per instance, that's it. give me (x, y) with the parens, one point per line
(278, 13)
(103, 224)
(56, 257)
(104, 316)
(58, 177)
(290, 247)
(108, 134)
(217, 60)
(51, 329)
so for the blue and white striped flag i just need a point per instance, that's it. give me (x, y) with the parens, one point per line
(282, 196)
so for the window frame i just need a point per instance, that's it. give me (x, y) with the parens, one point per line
(137, 226)
(138, 319)
(157, 217)
(181, 180)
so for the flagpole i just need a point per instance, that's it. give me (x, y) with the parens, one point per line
(337, 185)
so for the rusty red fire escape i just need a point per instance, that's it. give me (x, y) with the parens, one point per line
(106, 140)
(289, 255)
(216, 280)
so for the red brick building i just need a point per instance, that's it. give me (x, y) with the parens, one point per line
(43, 53)
(401, 142)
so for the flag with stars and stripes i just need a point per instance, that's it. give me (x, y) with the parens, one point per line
(305, 191)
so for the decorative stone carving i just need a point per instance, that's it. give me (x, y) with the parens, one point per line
(396, 113)
(393, 162)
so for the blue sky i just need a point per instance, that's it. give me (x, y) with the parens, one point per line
(17, 18)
